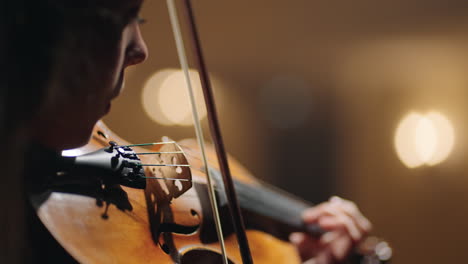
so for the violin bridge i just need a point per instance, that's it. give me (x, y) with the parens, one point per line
(167, 163)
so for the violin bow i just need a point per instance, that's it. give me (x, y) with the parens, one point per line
(215, 130)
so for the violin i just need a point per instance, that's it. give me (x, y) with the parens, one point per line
(99, 217)
(112, 201)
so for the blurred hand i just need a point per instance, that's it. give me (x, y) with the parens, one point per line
(346, 227)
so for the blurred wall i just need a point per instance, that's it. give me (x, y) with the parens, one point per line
(310, 94)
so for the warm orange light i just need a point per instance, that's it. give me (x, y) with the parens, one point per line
(446, 136)
(424, 139)
(165, 97)
(404, 141)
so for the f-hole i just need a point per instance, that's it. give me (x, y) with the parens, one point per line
(102, 134)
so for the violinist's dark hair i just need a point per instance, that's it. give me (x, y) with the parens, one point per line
(37, 39)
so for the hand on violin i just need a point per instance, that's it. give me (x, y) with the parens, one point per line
(346, 227)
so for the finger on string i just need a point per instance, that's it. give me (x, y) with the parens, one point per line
(335, 219)
(337, 206)
(352, 210)
(312, 214)
(339, 246)
(306, 245)
(329, 237)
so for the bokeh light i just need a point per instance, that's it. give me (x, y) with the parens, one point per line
(165, 97)
(446, 134)
(424, 139)
(404, 140)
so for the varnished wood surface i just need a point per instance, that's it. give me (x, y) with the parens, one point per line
(128, 236)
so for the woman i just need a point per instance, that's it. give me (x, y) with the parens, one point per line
(82, 49)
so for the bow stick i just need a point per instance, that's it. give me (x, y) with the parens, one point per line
(233, 203)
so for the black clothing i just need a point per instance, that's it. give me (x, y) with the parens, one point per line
(42, 166)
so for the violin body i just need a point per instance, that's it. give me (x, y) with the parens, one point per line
(167, 222)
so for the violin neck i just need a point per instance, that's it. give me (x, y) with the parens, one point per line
(267, 208)
(278, 213)
(274, 211)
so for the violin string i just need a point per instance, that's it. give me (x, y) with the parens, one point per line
(246, 191)
(162, 178)
(161, 152)
(165, 165)
(160, 165)
(273, 203)
(266, 201)
(258, 196)
(149, 144)
(269, 186)
(198, 130)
